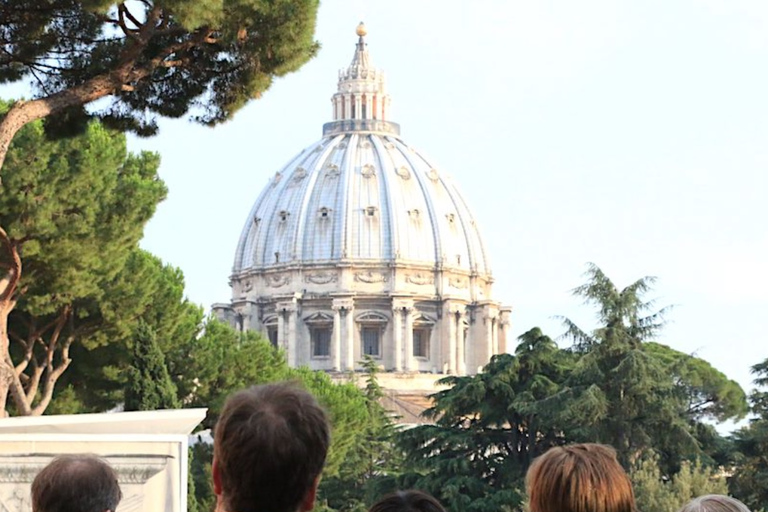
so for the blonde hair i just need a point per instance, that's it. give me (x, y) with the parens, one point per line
(714, 503)
(579, 478)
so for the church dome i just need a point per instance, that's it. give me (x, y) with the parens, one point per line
(362, 247)
(361, 194)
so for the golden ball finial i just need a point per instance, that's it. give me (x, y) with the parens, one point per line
(360, 31)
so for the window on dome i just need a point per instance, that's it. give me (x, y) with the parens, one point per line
(284, 215)
(370, 211)
(371, 336)
(320, 337)
(323, 213)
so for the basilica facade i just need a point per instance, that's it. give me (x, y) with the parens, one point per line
(361, 246)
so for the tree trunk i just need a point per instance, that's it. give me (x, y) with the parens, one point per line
(8, 285)
(23, 112)
(6, 368)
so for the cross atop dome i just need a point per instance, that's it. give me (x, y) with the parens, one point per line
(361, 102)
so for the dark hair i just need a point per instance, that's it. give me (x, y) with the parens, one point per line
(270, 445)
(579, 478)
(76, 483)
(407, 501)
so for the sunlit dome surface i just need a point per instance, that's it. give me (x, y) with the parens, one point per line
(361, 194)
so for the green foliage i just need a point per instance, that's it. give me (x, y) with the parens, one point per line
(749, 481)
(155, 57)
(706, 392)
(489, 427)
(155, 293)
(222, 360)
(656, 493)
(200, 496)
(619, 394)
(149, 386)
(368, 466)
(74, 210)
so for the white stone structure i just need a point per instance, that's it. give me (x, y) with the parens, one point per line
(361, 245)
(148, 450)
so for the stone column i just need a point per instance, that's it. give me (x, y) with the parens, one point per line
(368, 106)
(495, 328)
(358, 107)
(282, 338)
(397, 337)
(408, 356)
(461, 341)
(246, 317)
(504, 328)
(347, 106)
(293, 352)
(349, 356)
(287, 315)
(336, 344)
(489, 320)
(451, 317)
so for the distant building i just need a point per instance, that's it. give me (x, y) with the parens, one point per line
(360, 246)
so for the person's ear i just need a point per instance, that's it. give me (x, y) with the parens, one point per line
(216, 478)
(308, 503)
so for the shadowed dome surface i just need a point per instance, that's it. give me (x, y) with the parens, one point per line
(361, 194)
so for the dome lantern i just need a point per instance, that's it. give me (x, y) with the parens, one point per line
(361, 102)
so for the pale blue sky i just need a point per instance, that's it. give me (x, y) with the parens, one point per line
(629, 134)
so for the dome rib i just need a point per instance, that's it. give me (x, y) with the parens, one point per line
(309, 189)
(405, 151)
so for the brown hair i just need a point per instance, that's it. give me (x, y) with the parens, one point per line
(579, 478)
(76, 483)
(407, 501)
(270, 445)
(714, 503)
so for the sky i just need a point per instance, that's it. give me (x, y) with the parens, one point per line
(628, 134)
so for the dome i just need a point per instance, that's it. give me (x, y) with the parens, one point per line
(362, 246)
(361, 196)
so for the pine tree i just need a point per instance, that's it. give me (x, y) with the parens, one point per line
(149, 386)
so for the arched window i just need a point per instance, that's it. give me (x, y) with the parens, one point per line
(372, 327)
(422, 332)
(270, 323)
(320, 331)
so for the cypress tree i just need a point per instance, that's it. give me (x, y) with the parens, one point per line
(149, 386)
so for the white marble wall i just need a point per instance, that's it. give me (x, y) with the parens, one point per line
(148, 450)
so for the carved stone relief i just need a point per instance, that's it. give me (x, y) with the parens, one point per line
(332, 171)
(371, 277)
(420, 278)
(299, 174)
(433, 175)
(403, 172)
(278, 280)
(368, 171)
(321, 277)
(458, 282)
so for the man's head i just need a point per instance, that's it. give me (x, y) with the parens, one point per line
(76, 483)
(579, 478)
(270, 445)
